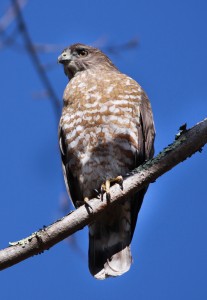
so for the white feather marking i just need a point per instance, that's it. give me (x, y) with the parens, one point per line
(135, 97)
(125, 110)
(109, 118)
(123, 100)
(79, 128)
(98, 130)
(87, 118)
(72, 124)
(113, 118)
(119, 102)
(74, 143)
(96, 118)
(82, 84)
(124, 96)
(128, 81)
(114, 109)
(79, 114)
(66, 126)
(103, 108)
(93, 88)
(89, 105)
(109, 89)
(78, 120)
(81, 178)
(66, 118)
(96, 95)
(129, 96)
(85, 158)
(74, 132)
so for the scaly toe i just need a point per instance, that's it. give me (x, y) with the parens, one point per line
(84, 202)
(105, 188)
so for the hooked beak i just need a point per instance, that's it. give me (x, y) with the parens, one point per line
(64, 57)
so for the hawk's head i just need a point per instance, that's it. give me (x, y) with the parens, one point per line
(79, 57)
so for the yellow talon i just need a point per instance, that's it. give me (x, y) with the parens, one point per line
(105, 187)
(119, 180)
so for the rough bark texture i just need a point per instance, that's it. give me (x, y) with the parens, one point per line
(186, 143)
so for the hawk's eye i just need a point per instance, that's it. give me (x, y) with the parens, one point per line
(82, 52)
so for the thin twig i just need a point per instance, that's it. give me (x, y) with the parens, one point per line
(35, 59)
(10, 15)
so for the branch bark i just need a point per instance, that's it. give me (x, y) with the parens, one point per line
(187, 143)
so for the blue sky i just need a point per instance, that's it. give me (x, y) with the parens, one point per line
(170, 244)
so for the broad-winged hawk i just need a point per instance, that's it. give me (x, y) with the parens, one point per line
(106, 129)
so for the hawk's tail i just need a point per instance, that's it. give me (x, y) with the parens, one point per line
(109, 242)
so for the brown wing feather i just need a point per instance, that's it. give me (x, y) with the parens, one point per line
(148, 129)
(71, 182)
(146, 136)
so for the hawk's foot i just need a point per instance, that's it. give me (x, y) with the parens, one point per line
(84, 202)
(105, 187)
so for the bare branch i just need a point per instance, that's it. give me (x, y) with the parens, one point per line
(186, 143)
(10, 15)
(35, 59)
(46, 48)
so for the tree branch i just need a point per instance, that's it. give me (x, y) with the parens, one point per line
(10, 15)
(187, 142)
(35, 59)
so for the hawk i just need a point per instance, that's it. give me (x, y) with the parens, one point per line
(106, 130)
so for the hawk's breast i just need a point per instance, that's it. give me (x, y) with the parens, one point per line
(100, 122)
